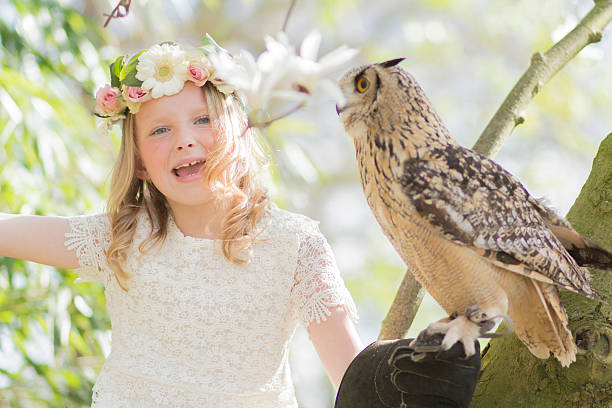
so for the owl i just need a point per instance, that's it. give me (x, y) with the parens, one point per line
(468, 230)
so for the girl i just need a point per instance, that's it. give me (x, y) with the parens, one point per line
(205, 279)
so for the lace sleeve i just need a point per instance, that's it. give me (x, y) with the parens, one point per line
(318, 286)
(89, 236)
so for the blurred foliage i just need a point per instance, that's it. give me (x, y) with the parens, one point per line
(466, 54)
(51, 341)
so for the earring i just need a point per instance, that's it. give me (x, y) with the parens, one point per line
(145, 188)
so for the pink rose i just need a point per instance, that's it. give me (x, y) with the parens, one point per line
(136, 94)
(198, 73)
(109, 101)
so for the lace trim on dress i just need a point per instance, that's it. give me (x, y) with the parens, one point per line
(318, 286)
(89, 238)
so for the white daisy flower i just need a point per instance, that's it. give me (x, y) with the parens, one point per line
(162, 70)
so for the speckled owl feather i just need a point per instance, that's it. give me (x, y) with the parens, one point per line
(475, 202)
(468, 230)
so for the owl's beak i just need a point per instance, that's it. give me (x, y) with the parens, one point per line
(342, 108)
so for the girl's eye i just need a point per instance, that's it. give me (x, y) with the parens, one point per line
(159, 131)
(204, 120)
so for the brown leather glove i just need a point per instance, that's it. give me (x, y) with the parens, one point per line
(385, 374)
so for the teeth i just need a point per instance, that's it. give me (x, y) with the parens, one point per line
(187, 164)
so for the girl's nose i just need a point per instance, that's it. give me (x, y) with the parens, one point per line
(181, 146)
(184, 140)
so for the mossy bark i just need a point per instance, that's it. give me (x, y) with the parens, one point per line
(512, 377)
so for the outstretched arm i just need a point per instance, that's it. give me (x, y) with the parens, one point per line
(336, 342)
(36, 238)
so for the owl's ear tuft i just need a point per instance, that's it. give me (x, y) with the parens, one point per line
(391, 63)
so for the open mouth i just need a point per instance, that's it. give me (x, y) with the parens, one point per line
(188, 169)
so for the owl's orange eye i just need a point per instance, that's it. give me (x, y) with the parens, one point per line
(362, 84)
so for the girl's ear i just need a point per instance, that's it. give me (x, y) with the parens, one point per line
(141, 172)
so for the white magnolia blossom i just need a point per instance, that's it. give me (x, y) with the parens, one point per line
(280, 75)
(313, 73)
(162, 70)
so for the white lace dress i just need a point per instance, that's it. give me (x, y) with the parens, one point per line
(195, 330)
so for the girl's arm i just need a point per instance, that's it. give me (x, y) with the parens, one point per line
(36, 238)
(336, 342)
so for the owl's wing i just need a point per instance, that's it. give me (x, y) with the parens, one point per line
(474, 202)
(584, 251)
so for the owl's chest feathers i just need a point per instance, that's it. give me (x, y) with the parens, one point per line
(381, 165)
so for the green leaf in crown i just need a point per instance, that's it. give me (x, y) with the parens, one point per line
(115, 71)
(127, 76)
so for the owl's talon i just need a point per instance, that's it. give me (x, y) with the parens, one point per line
(489, 324)
(474, 314)
(464, 328)
(427, 342)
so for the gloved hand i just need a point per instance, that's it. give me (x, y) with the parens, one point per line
(385, 374)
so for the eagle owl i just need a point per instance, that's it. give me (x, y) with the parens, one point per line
(467, 229)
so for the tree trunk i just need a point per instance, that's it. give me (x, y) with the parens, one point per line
(512, 377)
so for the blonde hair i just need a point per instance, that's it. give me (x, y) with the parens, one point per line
(230, 172)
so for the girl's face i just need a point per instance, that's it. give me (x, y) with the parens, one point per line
(174, 136)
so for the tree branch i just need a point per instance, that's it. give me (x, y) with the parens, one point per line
(121, 10)
(263, 125)
(402, 311)
(284, 28)
(543, 67)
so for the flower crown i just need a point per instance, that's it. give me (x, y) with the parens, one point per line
(153, 73)
(278, 76)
